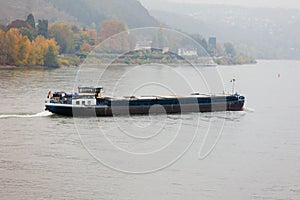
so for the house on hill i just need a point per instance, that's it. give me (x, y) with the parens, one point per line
(187, 52)
(20, 24)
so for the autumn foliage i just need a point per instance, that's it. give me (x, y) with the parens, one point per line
(16, 49)
(22, 43)
(114, 36)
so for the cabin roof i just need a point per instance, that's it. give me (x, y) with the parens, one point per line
(90, 87)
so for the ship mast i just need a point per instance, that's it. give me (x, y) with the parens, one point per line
(233, 84)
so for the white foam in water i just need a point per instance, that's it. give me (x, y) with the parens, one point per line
(41, 114)
(249, 109)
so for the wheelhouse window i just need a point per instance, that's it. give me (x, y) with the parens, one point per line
(77, 102)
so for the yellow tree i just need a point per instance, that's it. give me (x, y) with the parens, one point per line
(38, 50)
(16, 49)
(24, 53)
(33, 54)
(13, 38)
(52, 42)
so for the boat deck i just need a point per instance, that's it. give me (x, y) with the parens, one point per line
(149, 97)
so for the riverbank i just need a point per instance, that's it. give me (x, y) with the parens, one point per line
(236, 60)
(139, 58)
(7, 67)
(3, 67)
(24, 67)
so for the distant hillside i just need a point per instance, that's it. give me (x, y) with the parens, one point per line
(131, 11)
(84, 12)
(81, 11)
(270, 33)
(19, 9)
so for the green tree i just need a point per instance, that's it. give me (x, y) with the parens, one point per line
(64, 37)
(75, 29)
(30, 20)
(3, 48)
(2, 27)
(50, 59)
(26, 32)
(43, 28)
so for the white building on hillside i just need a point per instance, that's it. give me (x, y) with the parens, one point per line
(187, 52)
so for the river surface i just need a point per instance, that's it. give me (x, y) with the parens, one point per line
(248, 155)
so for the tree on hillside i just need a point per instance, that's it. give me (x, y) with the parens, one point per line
(63, 35)
(17, 49)
(37, 51)
(25, 28)
(111, 27)
(50, 59)
(92, 36)
(121, 42)
(28, 33)
(3, 48)
(30, 20)
(75, 29)
(24, 52)
(86, 47)
(229, 49)
(201, 41)
(13, 38)
(2, 27)
(43, 28)
(159, 41)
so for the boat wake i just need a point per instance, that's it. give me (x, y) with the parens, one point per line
(249, 109)
(41, 114)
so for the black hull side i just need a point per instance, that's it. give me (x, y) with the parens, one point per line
(143, 110)
(60, 110)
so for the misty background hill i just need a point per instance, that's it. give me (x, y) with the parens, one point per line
(263, 32)
(267, 33)
(83, 12)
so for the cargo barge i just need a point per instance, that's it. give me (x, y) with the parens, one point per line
(90, 101)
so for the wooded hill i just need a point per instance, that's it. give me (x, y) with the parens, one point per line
(86, 13)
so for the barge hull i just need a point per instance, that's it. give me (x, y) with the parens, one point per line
(99, 111)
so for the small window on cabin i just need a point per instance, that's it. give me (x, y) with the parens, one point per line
(83, 102)
(77, 103)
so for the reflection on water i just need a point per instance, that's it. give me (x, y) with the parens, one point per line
(253, 154)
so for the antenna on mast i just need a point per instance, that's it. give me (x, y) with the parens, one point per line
(233, 84)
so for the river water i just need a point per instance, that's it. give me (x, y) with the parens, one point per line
(253, 154)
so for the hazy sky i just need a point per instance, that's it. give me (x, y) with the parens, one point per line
(256, 3)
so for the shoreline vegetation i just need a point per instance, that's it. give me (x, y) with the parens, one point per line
(25, 43)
